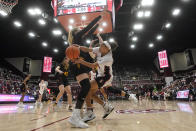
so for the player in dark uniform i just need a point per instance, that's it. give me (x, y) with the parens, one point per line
(76, 36)
(63, 84)
(23, 89)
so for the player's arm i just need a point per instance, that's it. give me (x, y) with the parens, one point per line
(91, 47)
(86, 49)
(26, 79)
(90, 26)
(92, 31)
(85, 63)
(58, 70)
(100, 38)
(39, 85)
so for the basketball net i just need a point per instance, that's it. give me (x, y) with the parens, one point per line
(7, 5)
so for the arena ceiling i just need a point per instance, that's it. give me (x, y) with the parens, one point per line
(179, 36)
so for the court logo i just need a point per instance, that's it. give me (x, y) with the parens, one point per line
(143, 111)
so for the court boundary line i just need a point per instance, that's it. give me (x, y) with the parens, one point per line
(46, 125)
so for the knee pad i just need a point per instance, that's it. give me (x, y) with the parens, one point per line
(114, 90)
(85, 87)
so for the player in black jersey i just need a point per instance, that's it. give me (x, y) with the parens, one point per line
(62, 72)
(76, 36)
(23, 89)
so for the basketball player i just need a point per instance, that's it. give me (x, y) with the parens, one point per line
(105, 77)
(42, 87)
(81, 72)
(62, 74)
(23, 89)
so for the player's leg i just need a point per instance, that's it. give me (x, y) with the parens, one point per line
(89, 115)
(102, 90)
(23, 92)
(122, 93)
(22, 97)
(60, 94)
(75, 119)
(39, 99)
(69, 97)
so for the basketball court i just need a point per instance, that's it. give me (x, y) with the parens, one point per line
(145, 36)
(127, 116)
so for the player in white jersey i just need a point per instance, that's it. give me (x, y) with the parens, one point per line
(105, 75)
(42, 87)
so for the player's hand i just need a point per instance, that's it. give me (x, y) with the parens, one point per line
(75, 45)
(60, 72)
(78, 61)
(98, 35)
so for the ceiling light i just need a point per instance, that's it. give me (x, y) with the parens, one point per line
(3, 13)
(111, 40)
(147, 2)
(88, 41)
(167, 25)
(44, 44)
(147, 13)
(83, 17)
(151, 45)
(138, 26)
(104, 24)
(55, 20)
(132, 46)
(57, 32)
(185, 0)
(176, 12)
(31, 34)
(31, 12)
(100, 29)
(70, 27)
(135, 38)
(38, 11)
(56, 50)
(41, 21)
(17, 23)
(140, 14)
(34, 11)
(71, 21)
(159, 37)
(65, 42)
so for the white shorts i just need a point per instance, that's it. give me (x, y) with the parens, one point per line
(41, 92)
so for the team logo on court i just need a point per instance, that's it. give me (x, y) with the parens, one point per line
(143, 111)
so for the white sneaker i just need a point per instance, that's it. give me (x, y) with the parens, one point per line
(40, 104)
(76, 121)
(107, 110)
(36, 103)
(133, 97)
(88, 116)
(20, 104)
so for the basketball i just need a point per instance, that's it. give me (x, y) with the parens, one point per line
(72, 52)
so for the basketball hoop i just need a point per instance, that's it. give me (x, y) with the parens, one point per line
(6, 6)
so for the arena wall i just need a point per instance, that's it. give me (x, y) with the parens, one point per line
(16, 62)
(36, 67)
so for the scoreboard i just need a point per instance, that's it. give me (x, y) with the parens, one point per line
(66, 10)
(63, 7)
